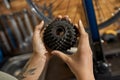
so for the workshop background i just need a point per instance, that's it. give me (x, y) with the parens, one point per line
(17, 23)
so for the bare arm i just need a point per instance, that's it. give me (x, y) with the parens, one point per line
(81, 62)
(38, 60)
(33, 68)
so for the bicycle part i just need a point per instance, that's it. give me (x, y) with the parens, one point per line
(8, 31)
(27, 21)
(4, 38)
(34, 20)
(26, 35)
(16, 30)
(7, 4)
(102, 67)
(35, 9)
(113, 14)
(20, 22)
(60, 35)
(94, 29)
(5, 42)
(110, 21)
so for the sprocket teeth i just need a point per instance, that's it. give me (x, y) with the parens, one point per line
(63, 41)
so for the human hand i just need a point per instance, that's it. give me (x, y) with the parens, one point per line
(39, 48)
(81, 62)
(38, 61)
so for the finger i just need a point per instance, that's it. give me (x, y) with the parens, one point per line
(63, 56)
(38, 30)
(59, 16)
(40, 26)
(76, 25)
(67, 18)
(81, 27)
(77, 32)
(84, 38)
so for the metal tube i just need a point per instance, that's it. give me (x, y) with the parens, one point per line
(90, 14)
(4, 39)
(27, 21)
(22, 27)
(16, 30)
(36, 10)
(7, 4)
(102, 68)
(34, 20)
(8, 31)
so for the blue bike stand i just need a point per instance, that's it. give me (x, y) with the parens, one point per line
(101, 67)
(94, 29)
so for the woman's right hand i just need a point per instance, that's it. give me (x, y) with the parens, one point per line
(81, 62)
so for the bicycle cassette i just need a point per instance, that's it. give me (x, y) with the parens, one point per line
(60, 34)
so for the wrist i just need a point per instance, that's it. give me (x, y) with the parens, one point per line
(39, 56)
(86, 76)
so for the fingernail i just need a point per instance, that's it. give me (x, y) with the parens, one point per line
(80, 21)
(42, 21)
(53, 52)
(59, 16)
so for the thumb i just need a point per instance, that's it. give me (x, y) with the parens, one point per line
(60, 54)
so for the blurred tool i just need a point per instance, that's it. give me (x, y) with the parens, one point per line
(4, 45)
(34, 20)
(7, 4)
(4, 40)
(8, 31)
(22, 27)
(16, 31)
(28, 23)
(36, 10)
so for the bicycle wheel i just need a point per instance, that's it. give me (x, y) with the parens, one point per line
(107, 12)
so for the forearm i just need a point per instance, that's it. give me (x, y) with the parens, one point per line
(85, 76)
(33, 68)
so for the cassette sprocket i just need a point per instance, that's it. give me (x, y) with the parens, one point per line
(60, 34)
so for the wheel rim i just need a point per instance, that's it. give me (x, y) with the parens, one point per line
(53, 8)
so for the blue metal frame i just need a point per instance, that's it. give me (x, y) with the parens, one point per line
(100, 67)
(91, 18)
